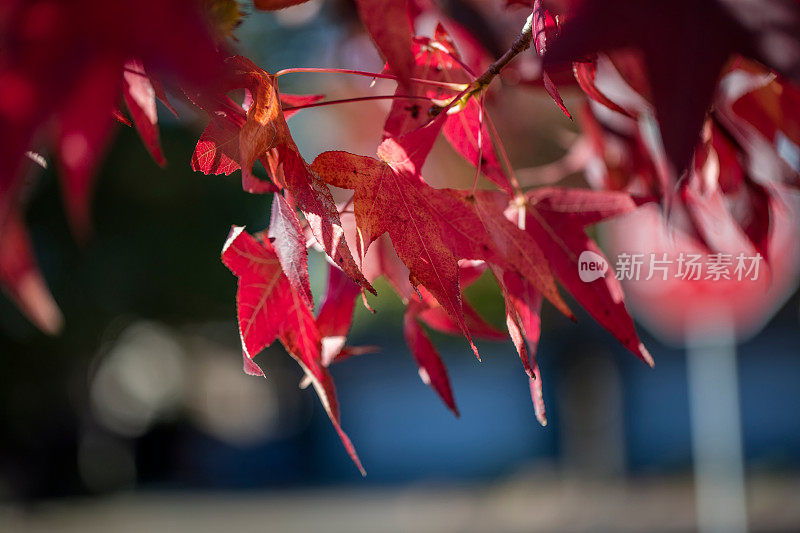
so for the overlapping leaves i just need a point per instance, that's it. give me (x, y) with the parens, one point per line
(677, 107)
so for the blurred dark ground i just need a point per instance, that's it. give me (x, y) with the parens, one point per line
(138, 415)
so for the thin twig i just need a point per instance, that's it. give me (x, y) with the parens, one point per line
(479, 166)
(357, 99)
(504, 156)
(520, 44)
(451, 86)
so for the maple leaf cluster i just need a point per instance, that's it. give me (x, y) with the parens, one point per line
(688, 103)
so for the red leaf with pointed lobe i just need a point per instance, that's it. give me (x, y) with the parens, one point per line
(335, 314)
(431, 369)
(544, 23)
(352, 351)
(265, 135)
(584, 207)
(296, 100)
(461, 131)
(432, 229)
(519, 248)
(438, 60)
(556, 218)
(289, 243)
(585, 74)
(431, 61)
(387, 200)
(217, 150)
(683, 75)
(523, 305)
(389, 25)
(315, 200)
(269, 308)
(21, 279)
(140, 98)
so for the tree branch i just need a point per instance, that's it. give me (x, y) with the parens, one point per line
(521, 43)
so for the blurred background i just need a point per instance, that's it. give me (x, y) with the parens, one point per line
(139, 417)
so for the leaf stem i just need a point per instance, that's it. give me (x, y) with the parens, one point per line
(357, 99)
(451, 86)
(504, 156)
(479, 166)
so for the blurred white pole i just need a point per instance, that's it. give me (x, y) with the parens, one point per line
(716, 426)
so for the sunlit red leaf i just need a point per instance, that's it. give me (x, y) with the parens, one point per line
(289, 243)
(217, 150)
(523, 305)
(519, 248)
(269, 308)
(438, 60)
(265, 135)
(389, 25)
(461, 131)
(388, 199)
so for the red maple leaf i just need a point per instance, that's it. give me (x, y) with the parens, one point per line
(269, 308)
(264, 134)
(388, 23)
(20, 276)
(387, 200)
(80, 47)
(684, 45)
(464, 127)
(556, 219)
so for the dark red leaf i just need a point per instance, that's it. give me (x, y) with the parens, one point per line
(544, 23)
(684, 45)
(20, 277)
(431, 369)
(556, 219)
(140, 97)
(336, 313)
(389, 25)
